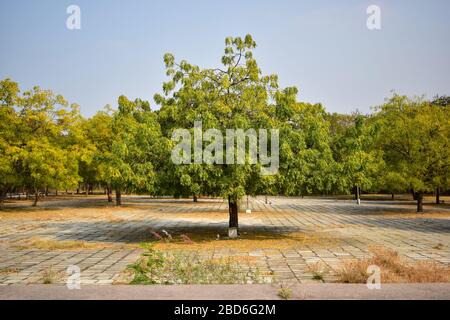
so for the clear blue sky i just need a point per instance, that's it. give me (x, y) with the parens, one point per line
(323, 47)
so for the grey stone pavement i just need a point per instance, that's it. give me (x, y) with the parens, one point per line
(434, 291)
(349, 230)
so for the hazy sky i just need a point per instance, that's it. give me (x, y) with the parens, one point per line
(322, 47)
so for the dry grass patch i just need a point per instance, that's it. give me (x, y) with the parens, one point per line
(393, 269)
(7, 271)
(319, 270)
(414, 215)
(62, 214)
(247, 242)
(50, 276)
(50, 244)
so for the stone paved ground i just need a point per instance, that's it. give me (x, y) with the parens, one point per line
(336, 230)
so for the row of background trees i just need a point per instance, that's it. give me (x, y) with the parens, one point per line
(45, 143)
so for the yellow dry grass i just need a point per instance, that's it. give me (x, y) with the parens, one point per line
(249, 241)
(415, 215)
(50, 244)
(7, 271)
(393, 269)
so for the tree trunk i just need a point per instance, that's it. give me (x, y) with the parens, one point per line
(195, 198)
(108, 192)
(2, 197)
(36, 197)
(266, 199)
(233, 211)
(118, 198)
(414, 194)
(438, 193)
(46, 191)
(358, 196)
(419, 197)
(56, 192)
(393, 196)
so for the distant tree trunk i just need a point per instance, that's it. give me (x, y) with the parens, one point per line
(414, 194)
(108, 192)
(195, 198)
(358, 195)
(419, 197)
(438, 194)
(266, 199)
(46, 191)
(118, 198)
(233, 211)
(2, 196)
(36, 197)
(393, 196)
(56, 192)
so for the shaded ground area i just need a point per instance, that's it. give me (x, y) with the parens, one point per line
(287, 237)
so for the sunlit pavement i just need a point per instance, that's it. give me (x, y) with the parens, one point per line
(352, 229)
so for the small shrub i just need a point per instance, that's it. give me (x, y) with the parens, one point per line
(318, 271)
(284, 293)
(49, 276)
(155, 267)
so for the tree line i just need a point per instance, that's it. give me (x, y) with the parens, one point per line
(45, 143)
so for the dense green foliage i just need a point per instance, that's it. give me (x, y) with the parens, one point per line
(403, 146)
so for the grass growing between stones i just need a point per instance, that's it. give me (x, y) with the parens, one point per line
(50, 276)
(156, 267)
(393, 269)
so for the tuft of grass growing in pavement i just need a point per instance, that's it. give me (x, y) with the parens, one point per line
(393, 269)
(156, 267)
(284, 293)
(49, 276)
(318, 271)
(439, 246)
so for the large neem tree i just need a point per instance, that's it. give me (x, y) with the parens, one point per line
(9, 91)
(38, 148)
(131, 161)
(234, 96)
(415, 138)
(359, 163)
